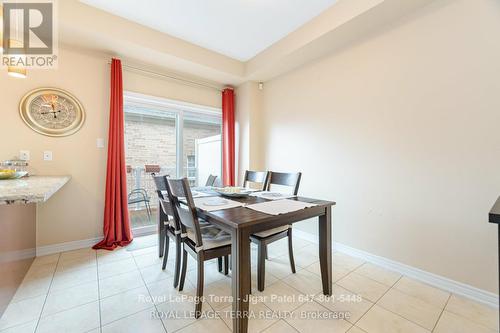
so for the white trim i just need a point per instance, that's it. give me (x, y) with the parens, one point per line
(85, 243)
(67, 246)
(432, 279)
(165, 103)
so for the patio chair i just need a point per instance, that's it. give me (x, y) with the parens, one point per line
(139, 195)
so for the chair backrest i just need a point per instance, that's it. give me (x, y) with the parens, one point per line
(291, 179)
(259, 177)
(185, 210)
(161, 192)
(211, 180)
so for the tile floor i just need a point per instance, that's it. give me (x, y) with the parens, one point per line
(126, 291)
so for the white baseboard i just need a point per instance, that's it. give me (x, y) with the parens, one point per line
(432, 279)
(84, 243)
(67, 246)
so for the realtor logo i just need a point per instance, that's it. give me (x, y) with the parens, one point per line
(29, 34)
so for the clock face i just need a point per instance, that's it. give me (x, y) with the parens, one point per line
(52, 112)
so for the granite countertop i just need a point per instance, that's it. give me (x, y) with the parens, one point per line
(495, 212)
(31, 189)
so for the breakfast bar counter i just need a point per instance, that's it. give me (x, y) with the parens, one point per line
(18, 200)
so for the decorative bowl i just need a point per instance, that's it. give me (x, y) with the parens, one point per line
(233, 191)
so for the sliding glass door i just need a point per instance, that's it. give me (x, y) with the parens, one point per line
(169, 138)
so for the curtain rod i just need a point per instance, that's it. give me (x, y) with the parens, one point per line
(171, 77)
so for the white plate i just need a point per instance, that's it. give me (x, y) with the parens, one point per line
(215, 202)
(272, 195)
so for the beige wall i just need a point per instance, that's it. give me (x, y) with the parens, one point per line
(75, 213)
(248, 105)
(401, 129)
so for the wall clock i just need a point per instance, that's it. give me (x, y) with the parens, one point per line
(52, 112)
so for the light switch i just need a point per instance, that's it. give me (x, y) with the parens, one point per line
(47, 155)
(100, 142)
(24, 155)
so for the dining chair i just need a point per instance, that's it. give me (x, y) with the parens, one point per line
(257, 177)
(200, 239)
(168, 228)
(211, 180)
(266, 237)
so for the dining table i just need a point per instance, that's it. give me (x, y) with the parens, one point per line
(241, 222)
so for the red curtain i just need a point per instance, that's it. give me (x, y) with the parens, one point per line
(116, 220)
(228, 137)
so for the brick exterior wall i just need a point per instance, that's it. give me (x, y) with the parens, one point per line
(153, 141)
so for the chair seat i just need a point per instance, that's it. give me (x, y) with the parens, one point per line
(270, 232)
(211, 236)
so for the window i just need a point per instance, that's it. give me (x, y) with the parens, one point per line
(177, 138)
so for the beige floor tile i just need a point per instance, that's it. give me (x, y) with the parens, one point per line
(32, 287)
(280, 267)
(119, 283)
(121, 305)
(151, 259)
(306, 256)
(218, 293)
(140, 322)
(152, 249)
(259, 317)
(434, 296)
(312, 317)
(71, 297)
(117, 267)
(280, 327)
(305, 282)
(179, 313)
(105, 256)
(343, 300)
(206, 325)
(22, 312)
(361, 285)
(152, 274)
(23, 328)
(378, 274)
(77, 254)
(346, 262)
(339, 271)
(269, 280)
(355, 329)
(281, 297)
(379, 320)
(40, 271)
(164, 291)
(211, 273)
(411, 308)
(76, 320)
(75, 264)
(452, 323)
(474, 311)
(51, 258)
(68, 279)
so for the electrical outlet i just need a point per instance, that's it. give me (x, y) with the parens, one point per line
(100, 143)
(47, 155)
(24, 155)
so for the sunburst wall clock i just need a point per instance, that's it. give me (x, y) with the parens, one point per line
(52, 112)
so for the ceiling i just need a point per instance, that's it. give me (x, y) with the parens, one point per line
(239, 29)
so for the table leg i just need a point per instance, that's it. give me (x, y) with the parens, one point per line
(325, 250)
(240, 256)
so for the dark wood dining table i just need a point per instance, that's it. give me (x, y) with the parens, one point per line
(240, 222)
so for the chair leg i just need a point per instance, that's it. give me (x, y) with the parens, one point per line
(290, 250)
(199, 287)
(261, 266)
(165, 254)
(219, 263)
(183, 270)
(148, 209)
(177, 260)
(226, 264)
